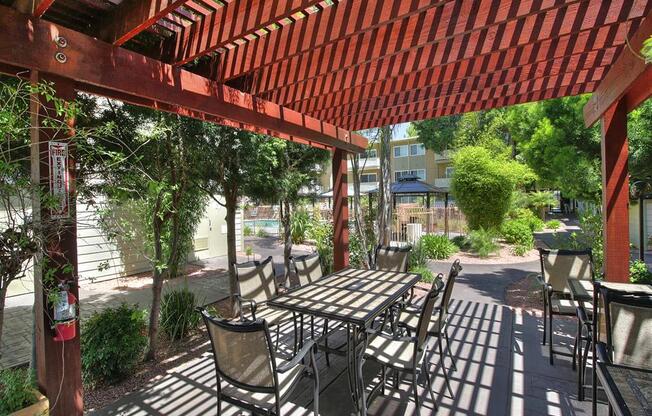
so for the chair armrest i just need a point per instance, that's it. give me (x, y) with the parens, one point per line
(583, 317)
(297, 358)
(390, 337)
(602, 353)
(252, 304)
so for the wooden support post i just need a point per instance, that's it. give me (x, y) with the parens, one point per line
(58, 364)
(615, 193)
(340, 211)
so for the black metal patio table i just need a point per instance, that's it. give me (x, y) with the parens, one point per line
(628, 389)
(354, 297)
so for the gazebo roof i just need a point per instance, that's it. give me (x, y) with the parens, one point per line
(412, 185)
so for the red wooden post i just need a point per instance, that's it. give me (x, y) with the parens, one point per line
(615, 192)
(58, 364)
(340, 211)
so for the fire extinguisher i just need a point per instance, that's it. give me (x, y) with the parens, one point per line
(65, 315)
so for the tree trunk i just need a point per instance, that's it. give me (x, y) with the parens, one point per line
(286, 214)
(385, 188)
(357, 209)
(157, 287)
(3, 296)
(231, 202)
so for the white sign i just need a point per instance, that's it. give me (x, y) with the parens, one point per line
(59, 178)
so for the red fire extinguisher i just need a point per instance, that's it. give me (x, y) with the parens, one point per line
(65, 315)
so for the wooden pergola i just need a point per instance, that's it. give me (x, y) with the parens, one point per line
(313, 71)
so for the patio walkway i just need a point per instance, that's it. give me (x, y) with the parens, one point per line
(501, 369)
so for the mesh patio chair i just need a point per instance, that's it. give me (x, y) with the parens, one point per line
(308, 270)
(408, 318)
(628, 327)
(257, 285)
(391, 259)
(249, 375)
(557, 266)
(628, 324)
(404, 354)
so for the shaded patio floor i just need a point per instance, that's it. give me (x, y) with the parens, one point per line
(502, 369)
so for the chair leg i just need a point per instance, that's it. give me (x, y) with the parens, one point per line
(424, 368)
(578, 336)
(295, 344)
(383, 379)
(414, 388)
(550, 331)
(328, 361)
(278, 335)
(545, 320)
(448, 348)
(583, 362)
(443, 368)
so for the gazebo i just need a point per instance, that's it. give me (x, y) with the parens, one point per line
(314, 71)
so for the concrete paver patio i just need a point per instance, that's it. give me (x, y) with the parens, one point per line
(502, 369)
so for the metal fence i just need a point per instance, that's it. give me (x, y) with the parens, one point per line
(410, 222)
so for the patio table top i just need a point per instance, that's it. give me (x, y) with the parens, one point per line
(582, 290)
(629, 389)
(351, 295)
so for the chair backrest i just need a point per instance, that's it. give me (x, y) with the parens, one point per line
(256, 280)
(308, 268)
(243, 353)
(426, 314)
(392, 259)
(629, 327)
(455, 270)
(559, 265)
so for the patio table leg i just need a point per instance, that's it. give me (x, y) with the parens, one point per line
(356, 340)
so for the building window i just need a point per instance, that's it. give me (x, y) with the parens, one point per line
(449, 171)
(367, 178)
(419, 173)
(417, 150)
(400, 151)
(370, 154)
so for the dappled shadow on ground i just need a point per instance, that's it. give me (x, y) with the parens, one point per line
(502, 368)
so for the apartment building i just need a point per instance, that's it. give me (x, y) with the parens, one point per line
(408, 157)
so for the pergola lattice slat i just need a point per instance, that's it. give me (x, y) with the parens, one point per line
(93, 62)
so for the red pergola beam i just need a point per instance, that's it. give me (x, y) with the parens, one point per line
(391, 50)
(475, 103)
(490, 79)
(623, 74)
(587, 41)
(132, 17)
(42, 6)
(28, 43)
(231, 22)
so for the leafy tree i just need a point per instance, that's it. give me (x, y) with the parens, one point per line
(639, 133)
(291, 167)
(150, 170)
(226, 168)
(436, 134)
(483, 183)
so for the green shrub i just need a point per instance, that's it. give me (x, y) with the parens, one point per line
(322, 233)
(517, 232)
(553, 224)
(112, 342)
(461, 241)
(483, 242)
(261, 233)
(438, 247)
(17, 390)
(178, 314)
(418, 257)
(247, 231)
(639, 272)
(527, 216)
(483, 184)
(356, 254)
(520, 250)
(426, 274)
(299, 223)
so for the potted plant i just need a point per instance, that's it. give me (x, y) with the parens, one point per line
(18, 394)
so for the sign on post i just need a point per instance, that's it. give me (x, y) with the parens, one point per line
(59, 179)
